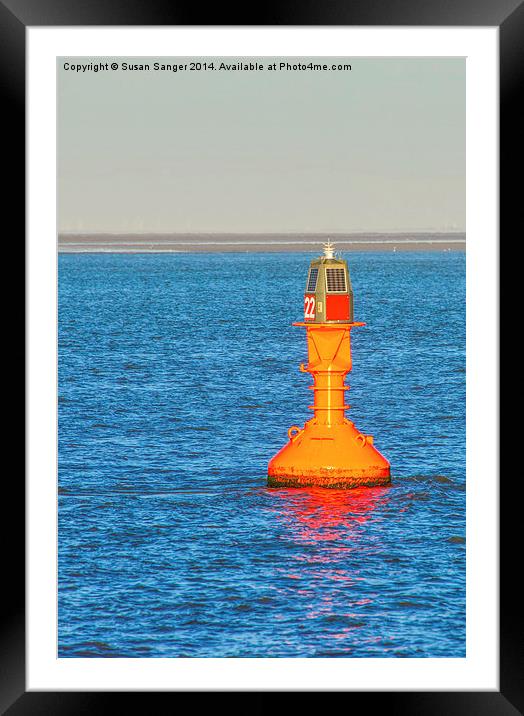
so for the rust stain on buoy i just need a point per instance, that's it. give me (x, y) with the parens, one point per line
(329, 451)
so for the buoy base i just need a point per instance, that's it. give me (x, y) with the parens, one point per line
(332, 456)
(333, 481)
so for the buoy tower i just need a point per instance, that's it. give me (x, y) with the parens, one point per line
(329, 451)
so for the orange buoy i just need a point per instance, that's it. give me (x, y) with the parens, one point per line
(329, 451)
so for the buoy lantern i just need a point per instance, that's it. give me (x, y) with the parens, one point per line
(329, 451)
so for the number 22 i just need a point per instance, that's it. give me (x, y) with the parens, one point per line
(309, 307)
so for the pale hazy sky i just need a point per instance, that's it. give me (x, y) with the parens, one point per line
(379, 148)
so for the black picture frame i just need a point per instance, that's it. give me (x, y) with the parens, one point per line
(15, 17)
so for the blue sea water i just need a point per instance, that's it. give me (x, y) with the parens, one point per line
(178, 379)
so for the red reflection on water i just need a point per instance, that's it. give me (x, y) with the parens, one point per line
(316, 514)
(327, 524)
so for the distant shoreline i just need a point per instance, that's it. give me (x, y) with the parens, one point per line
(257, 243)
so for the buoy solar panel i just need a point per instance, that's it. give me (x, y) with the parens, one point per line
(328, 297)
